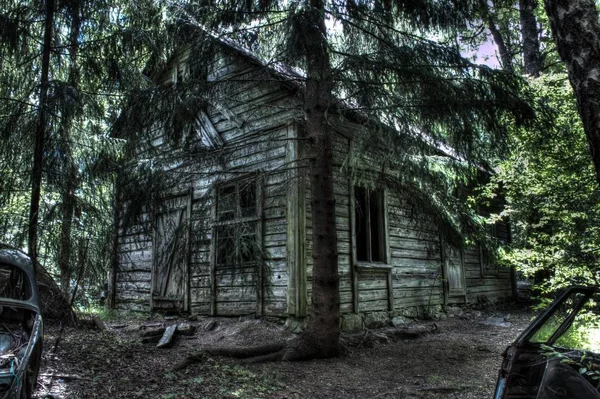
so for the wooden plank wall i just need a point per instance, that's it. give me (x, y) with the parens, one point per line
(486, 282)
(252, 117)
(133, 277)
(254, 114)
(415, 257)
(414, 254)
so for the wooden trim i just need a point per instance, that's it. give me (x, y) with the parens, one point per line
(445, 282)
(464, 275)
(188, 256)
(229, 115)
(260, 290)
(385, 227)
(213, 255)
(387, 252)
(373, 266)
(153, 264)
(212, 135)
(367, 218)
(353, 270)
(390, 291)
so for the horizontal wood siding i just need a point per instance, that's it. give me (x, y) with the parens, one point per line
(251, 112)
(415, 257)
(134, 271)
(485, 287)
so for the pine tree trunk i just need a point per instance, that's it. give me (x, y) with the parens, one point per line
(529, 33)
(505, 55)
(323, 325)
(64, 258)
(69, 185)
(40, 135)
(576, 32)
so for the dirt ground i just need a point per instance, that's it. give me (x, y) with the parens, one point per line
(459, 360)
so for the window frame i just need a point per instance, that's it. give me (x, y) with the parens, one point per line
(382, 232)
(238, 220)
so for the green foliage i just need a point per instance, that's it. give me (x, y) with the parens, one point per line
(554, 200)
(584, 365)
(99, 50)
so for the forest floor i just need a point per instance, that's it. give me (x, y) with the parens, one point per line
(459, 360)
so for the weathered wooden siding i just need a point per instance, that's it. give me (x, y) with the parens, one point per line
(255, 116)
(134, 273)
(252, 115)
(415, 257)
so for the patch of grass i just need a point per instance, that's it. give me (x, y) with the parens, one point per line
(112, 315)
(216, 379)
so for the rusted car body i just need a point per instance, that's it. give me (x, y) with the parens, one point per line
(21, 325)
(557, 356)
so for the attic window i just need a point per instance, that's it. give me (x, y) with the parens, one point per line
(179, 73)
(369, 225)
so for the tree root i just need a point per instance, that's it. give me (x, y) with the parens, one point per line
(304, 347)
(369, 338)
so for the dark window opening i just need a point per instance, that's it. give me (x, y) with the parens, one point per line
(14, 283)
(369, 226)
(236, 231)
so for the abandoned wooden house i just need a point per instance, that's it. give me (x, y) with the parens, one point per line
(234, 238)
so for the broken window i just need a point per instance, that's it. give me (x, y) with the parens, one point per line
(369, 225)
(237, 242)
(179, 72)
(14, 283)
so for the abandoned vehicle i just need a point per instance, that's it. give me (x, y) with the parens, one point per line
(233, 236)
(558, 355)
(21, 332)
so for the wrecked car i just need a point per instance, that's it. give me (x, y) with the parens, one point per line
(558, 355)
(21, 325)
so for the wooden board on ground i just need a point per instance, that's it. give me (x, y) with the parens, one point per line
(167, 338)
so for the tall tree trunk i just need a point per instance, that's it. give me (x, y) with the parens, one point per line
(505, 54)
(40, 135)
(576, 31)
(323, 326)
(529, 33)
(69, 184)
(68, 208)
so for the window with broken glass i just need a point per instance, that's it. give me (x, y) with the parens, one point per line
(236, 226)
(369, 225)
